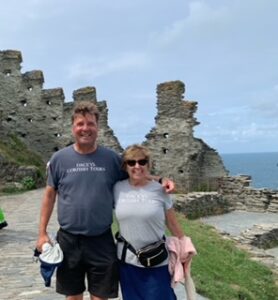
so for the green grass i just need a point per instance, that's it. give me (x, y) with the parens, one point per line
(223, 272)
(14, 150)
(14, 153)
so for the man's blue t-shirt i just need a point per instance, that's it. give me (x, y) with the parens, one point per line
(84, 183)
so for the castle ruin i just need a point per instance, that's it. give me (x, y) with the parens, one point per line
(176, 152)
(41, 118)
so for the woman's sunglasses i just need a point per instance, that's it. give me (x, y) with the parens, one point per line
(132, 162)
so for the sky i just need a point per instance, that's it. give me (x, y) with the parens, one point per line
(225, 52)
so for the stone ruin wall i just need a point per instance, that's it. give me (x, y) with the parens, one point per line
(238, 193)
(234, 193)
(41, 118)
(176, 152)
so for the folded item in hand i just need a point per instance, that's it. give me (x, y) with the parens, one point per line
(50, 258)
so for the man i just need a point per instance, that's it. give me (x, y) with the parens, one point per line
(83, 175)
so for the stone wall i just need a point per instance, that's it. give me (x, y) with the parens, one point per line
(234, 193)
(41, 118)
(237, 191)
(201, 204)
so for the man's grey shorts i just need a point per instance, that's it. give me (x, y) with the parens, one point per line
(93, 257)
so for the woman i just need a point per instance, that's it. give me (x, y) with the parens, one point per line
(142, 208)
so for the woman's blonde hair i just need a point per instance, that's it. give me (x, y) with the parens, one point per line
(135, 150)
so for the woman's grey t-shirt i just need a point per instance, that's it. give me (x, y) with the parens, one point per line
(140, 212)
(84, 183)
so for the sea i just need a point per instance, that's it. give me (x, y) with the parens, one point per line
(262, 167)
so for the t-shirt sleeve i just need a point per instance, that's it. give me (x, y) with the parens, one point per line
(121, 175)
(166, 198)
(168, 201)
(51, 178)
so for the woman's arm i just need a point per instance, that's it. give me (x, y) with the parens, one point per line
(173, 224)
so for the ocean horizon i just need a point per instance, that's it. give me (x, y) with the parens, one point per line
(261, 166)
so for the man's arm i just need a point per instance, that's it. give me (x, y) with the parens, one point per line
(168, 184)
(46, 212)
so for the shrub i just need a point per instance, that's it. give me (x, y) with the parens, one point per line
(28, 183)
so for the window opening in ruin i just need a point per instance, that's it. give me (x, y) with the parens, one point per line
(165, 150)
(48, 102)
(23, 134)
(57, 134)
(8, 73)
(54, 118)
(23, 102)
(55, 149)
(166, 135)
(30, 88)
(181, 171)
(194, 156)
(9, 119)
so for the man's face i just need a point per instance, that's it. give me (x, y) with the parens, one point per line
(85, 130)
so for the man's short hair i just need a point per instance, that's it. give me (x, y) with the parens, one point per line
(83, 108)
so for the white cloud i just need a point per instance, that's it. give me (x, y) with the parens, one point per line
(101, 66)
(200, 23)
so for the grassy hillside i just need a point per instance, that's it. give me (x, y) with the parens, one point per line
(14, 150)
(222, 271)
(14, 153)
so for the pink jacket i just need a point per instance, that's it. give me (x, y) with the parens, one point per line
(179, 263)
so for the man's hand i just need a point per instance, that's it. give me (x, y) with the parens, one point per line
(168, 185)
(41, 240)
